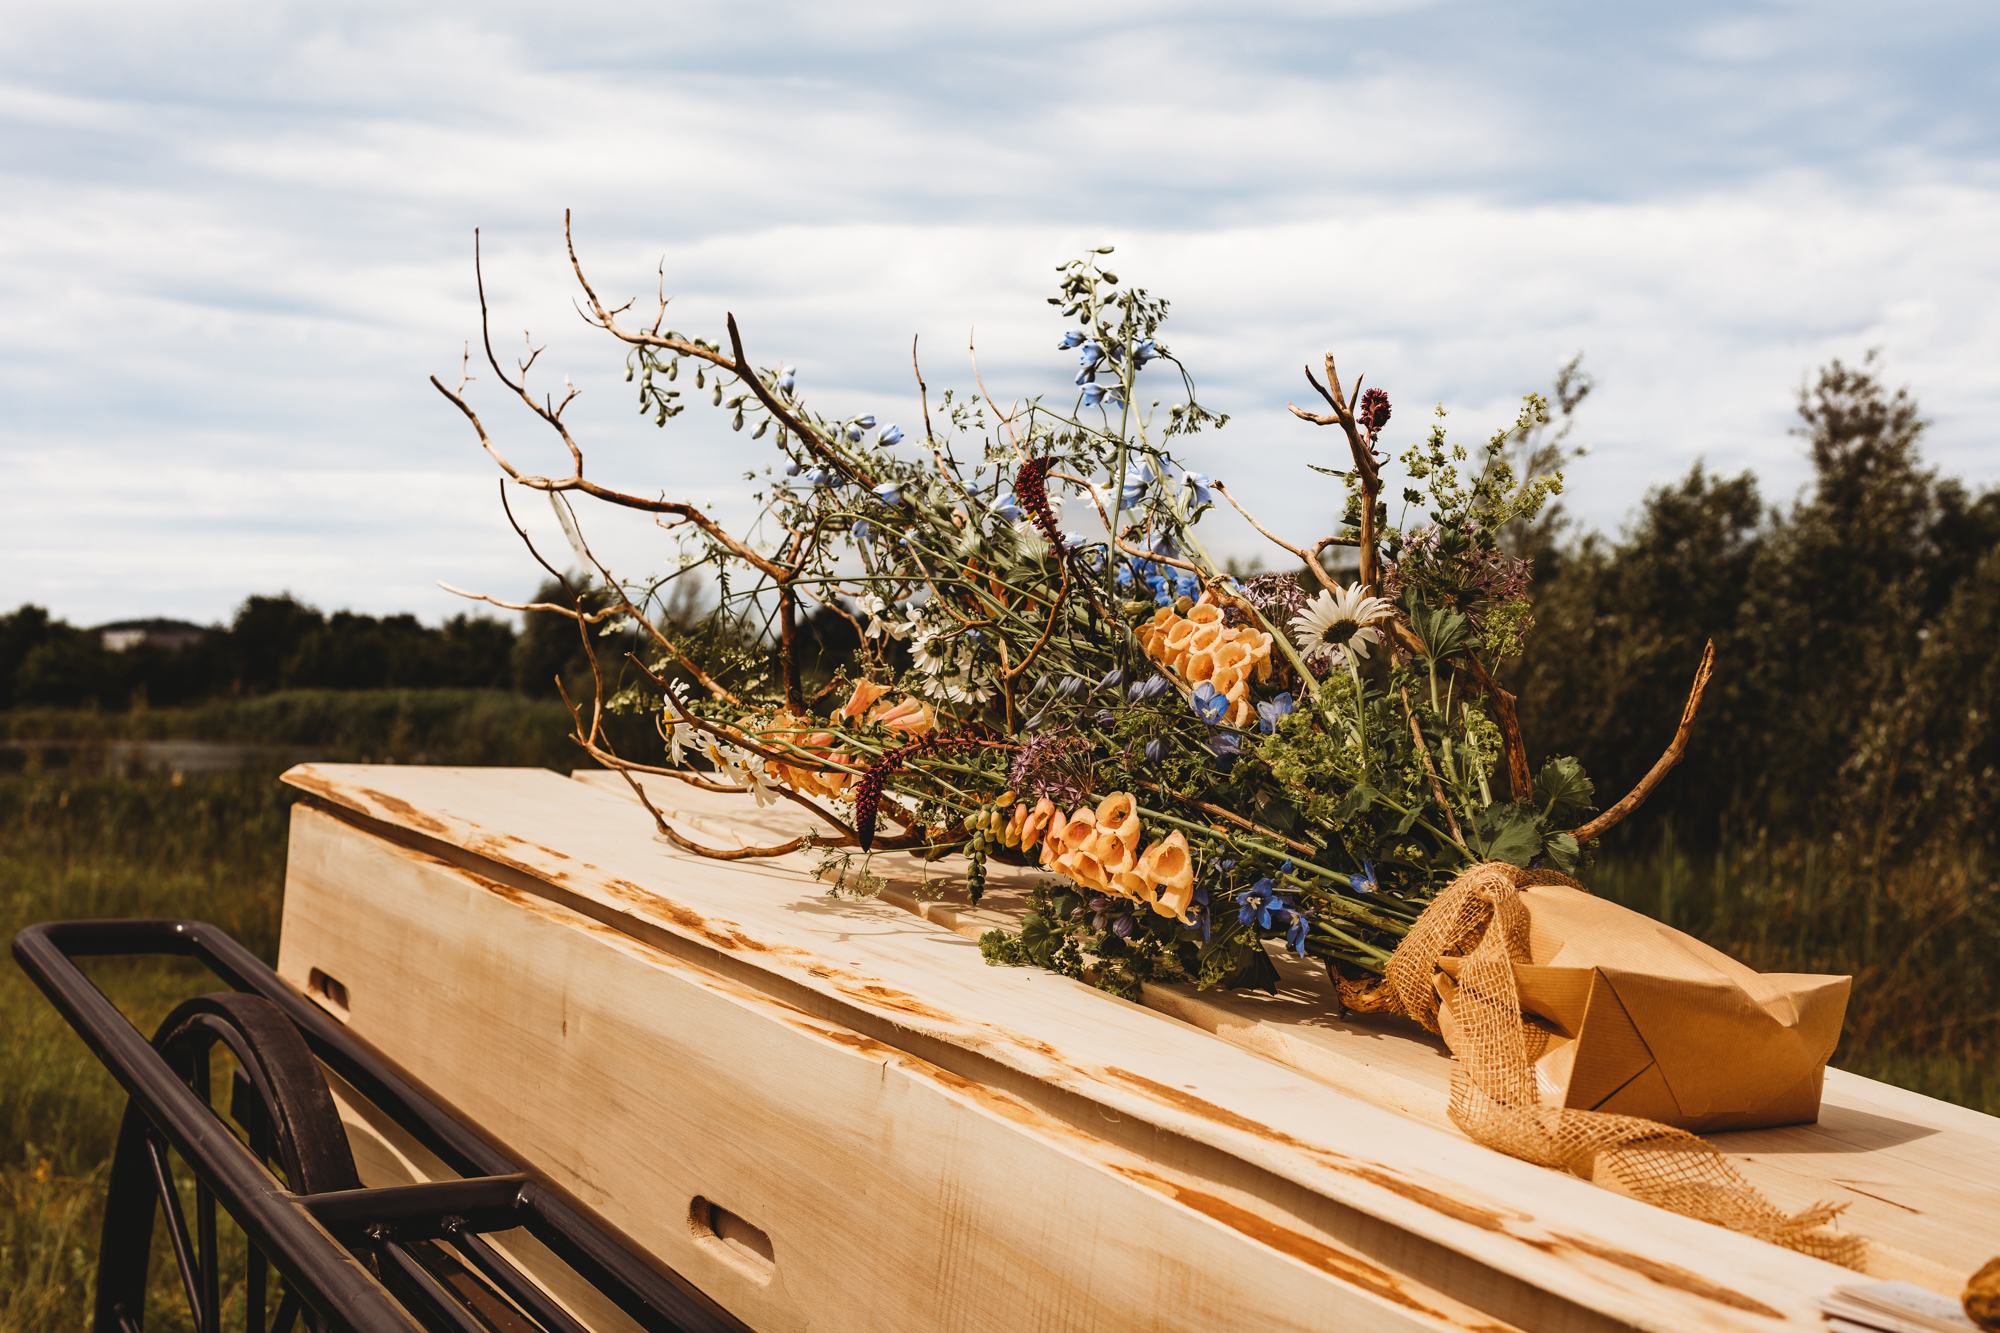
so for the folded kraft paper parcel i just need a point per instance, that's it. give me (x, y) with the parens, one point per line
(1636, 1018)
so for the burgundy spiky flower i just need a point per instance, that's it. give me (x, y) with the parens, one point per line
(868, 792)
(1373, 411)
(1031, 492)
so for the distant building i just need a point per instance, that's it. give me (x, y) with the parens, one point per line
(166, 634)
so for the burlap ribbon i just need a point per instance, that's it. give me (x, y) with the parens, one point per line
(1494, 1097)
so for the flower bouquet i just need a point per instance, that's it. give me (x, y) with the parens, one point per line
(1055, 671)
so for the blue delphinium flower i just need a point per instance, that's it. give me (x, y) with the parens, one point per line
(1269, 713)
(1367, 881)
(1115, 351)
(1260, 904)
(786, 378)
(1163, 588)
(1105, 717)
(1144, 352)
(1208, 705)
(1070, 339)
(1114, 395)
(793, 470)
(1008, 510)
(1156, 750)
(821, 476)
(1187, 583)
(889, 493)
(1295, 933)
(866, 423)
(864, 531)
(1134, 492)
(1200, 907)
(854, 433)
(1112, 679)
(1093, 394)
(1091, 353)
(1200, 483)
(1225, 745)
(1154, 687)
(891, 434)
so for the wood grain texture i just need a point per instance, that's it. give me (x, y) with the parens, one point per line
(895, 1195)
(1920, 1178)
(1244, 1141)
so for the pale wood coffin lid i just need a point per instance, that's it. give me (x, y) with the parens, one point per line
(599, 853)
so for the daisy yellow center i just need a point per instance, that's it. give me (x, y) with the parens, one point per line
(1340, 632)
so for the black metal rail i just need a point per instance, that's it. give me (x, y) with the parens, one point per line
(356, 1259)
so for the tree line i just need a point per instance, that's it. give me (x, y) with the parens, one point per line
(1857, 633)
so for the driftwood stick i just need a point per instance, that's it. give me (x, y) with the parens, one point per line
(1311, 561)
(1520, 780)
(1599, 826)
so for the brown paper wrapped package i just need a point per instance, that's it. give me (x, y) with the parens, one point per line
(1633, 1032)
(1642, 1020)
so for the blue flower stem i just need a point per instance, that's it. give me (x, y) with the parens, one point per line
(1118, 487)
(1353, 943)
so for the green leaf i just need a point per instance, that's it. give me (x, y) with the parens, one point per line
(1355, 802)
(1562, 852)
(1563, 791)
(1038, 941)
(1506, 833)
(1441, 632)
(1257, 973)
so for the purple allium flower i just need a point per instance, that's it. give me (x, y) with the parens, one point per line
(1278, 596)
(1058, 767)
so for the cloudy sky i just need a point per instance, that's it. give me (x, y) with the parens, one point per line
(236, 238)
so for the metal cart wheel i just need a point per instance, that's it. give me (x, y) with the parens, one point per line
(285, 1114)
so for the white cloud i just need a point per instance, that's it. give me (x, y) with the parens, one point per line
(234, 241)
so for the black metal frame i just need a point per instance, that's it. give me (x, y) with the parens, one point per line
(360, 1259)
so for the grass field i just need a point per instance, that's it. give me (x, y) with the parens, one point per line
(212, 846)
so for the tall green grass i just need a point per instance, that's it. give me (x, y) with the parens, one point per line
(212, 846)
(364, 726)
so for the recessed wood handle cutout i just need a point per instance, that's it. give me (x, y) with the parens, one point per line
(731, 1239)
(328, 993)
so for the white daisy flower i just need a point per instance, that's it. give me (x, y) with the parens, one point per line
(1331, 624)
(934, 653)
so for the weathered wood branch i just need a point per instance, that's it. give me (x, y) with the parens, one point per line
(1599, 826)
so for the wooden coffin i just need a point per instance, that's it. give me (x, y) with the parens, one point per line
(831, 1113)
